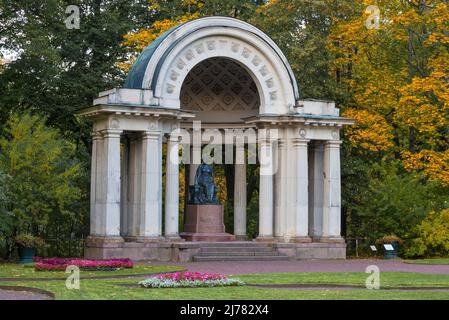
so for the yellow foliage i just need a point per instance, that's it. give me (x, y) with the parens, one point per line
(432, 236)
(397, 77)
(371, 131)
(137, 41)
(435, 165)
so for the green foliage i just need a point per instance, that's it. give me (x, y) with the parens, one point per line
(389, 239)
(432, 236)
(394, 202)
(58, 71)
(300, 28)
(42, 179)
(27, 240)
(241, 9)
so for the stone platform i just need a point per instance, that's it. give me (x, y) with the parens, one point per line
(188, 251)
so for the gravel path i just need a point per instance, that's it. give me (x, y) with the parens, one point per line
(246, 267)
(22, 294)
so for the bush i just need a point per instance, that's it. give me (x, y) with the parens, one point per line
(432, 236)
(29, 241)
(389, 239)
(394, 202)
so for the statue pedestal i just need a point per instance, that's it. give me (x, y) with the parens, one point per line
(204, 222)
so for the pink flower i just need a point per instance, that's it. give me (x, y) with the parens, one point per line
(62, 263)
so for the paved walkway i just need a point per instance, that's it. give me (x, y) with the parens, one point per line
(245, 267)
(23, 293)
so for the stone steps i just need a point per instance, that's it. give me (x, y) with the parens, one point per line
(238, 251)
(236, 244)
(239, 258)
(230, 253)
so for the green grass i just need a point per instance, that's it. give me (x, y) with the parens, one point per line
(387, 279)
(20, 271)
(113, 288)
(429, 261)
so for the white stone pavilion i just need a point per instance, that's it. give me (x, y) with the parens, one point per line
(230, 76)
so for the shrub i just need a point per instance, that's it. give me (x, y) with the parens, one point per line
(389, 239)
(28, 240)
(394, 202)
(432, 236)
(189, 280)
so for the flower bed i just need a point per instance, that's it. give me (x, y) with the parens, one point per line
(60, 264)
(189, 280)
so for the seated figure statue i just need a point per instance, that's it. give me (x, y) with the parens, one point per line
(204, 191)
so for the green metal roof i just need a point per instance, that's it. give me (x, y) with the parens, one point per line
(134, 80)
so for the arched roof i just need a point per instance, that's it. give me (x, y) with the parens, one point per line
(145, 71)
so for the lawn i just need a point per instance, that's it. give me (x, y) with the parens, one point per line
(429, 261)
(20, 271)
(125, 288)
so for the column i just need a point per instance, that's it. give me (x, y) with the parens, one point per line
(266, 190)
(133, 193)
(332, 192)
(95, 208)
(192, 173)
(280, 187)
(240, 194)
(301, 186)
(172, 189)
(150, 187)
(124, 189)
(111, 175)
(316, 187)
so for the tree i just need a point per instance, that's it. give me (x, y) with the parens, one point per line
(301, 28)
(42, 180)
(168, 14)
(56, 70)
(397, 79)
(389, 207)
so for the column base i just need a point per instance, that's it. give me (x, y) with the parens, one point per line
(241, 237)
(104, 241)
(144, 239)
(265, 239)
(174, 238)
(302, 239)
(330, 239)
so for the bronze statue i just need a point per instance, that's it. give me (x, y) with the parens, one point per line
(204, 191)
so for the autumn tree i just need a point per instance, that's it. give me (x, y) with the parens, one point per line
(397, 75)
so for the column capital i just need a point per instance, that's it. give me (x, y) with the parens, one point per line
(281, 142)
(151, 135)
(333, 143)
(300, 142)
(111, 133)
(266, 140)
(96, 135)
(173, 138)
